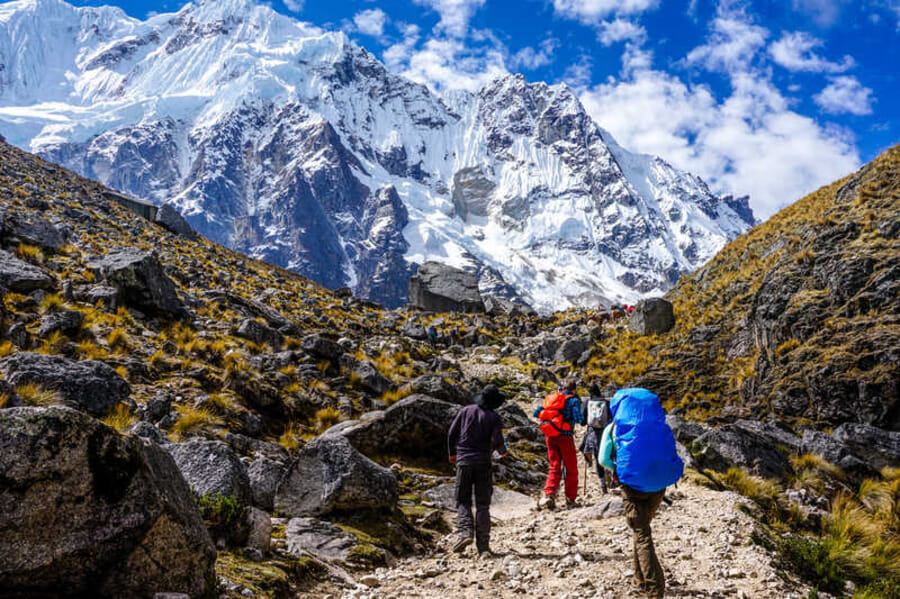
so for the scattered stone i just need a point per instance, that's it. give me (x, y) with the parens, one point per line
(653, 316)
(20, 276)
(322, 539)
(212, 468)
(169, 218)
(260, 334)
(141, 281)
(321, 348)
(87, 385)
(65, 322)
(438, 287)
(370, 581)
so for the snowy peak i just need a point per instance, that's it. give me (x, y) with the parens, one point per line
(299, 147)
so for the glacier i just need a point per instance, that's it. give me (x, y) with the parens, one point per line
(298, 147)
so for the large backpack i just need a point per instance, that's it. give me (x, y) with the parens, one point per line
(646, 458)
(598, 415)
(552, 422)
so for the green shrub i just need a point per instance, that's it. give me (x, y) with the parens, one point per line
(811, 560)
(222, 513)
(886, 588)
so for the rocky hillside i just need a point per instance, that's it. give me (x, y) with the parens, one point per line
(298, 147)
(798, 319)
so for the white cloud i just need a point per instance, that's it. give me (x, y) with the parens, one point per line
(620, 30)
(447, 63)
(370, 22)
(397, 56)
(455, 14)
(845, 95)
(530, 59)
(823, 12)
(749, 141)
(732, 44)
(294, 5)
(579, 73)
(593, 11)
(795, 52)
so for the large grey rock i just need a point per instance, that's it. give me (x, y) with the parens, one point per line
(415, 426)
(835, 452)
(141, 281)
(20, 276)
(439, 387)
(779, 436)
(878, 447)
(572, 349)
(259, 333)
(369, 378)
(321, 539)
(169, 218)
(259, 524)
(437, 287)
(85, 512)
(67, 321)
(212, 468)
(731, 445)
(87, 385)
(264, 475)
(505, 504)
(322, 348)
(683, 430)
(330, 475)
(36, 231)
(653, 316)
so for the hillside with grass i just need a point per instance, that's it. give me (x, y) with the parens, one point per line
(799, 318)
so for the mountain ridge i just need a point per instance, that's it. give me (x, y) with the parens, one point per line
(277, 138)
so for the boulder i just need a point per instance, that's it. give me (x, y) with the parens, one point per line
(259, 333)
(414, 330)
(141, 281)
(330, 475)
(259, 524)
(437, 287)
(369, 378)
(731, 445)
(87, 512)
(38, 232)
(834, 452)
(653, 316)
(321, 539)
(684, 431)
(608, 508)
(148, 431)
(66, 322)
(169, 218)
(321, 348)
(415, 426)
(778, 435)
(20, 276)
(87, 385)
(439, 387)
(571, 350)
(212, 468)
(264, 475)
(878, 447)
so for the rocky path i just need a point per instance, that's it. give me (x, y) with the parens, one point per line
(702, 539)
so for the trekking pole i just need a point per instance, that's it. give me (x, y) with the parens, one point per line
(586, 470)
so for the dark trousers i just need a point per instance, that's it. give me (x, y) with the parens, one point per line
(639, 511)
(477, 480)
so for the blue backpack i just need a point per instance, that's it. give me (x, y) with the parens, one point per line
(646, 459)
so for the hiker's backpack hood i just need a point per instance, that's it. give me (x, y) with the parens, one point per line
(646, 458)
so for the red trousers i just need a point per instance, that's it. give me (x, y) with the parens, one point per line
(561, 451)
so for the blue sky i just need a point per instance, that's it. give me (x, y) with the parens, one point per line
(770, 98)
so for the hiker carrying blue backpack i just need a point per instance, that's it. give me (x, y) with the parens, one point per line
(639, 447)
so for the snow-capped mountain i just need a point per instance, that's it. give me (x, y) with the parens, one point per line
(299, 147)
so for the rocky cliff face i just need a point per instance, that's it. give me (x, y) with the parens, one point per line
(303, 150)
(798, 318)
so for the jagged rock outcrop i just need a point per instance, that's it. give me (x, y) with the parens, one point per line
(734, 445)
(65, 321)
(330, 475)
(141, 281)
(879, 447)
(169, 218)
(88, 385)
(321, 539)
(437, 287)
(260, 334)
(87, 512)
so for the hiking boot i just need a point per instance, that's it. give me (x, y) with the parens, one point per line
(460, 545)
(547, 502)
(572, 503)
(484, 554)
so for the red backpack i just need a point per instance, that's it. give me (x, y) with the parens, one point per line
(551, 416)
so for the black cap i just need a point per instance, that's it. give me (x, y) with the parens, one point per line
(491, 397)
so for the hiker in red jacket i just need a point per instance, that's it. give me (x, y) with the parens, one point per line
(558, 415)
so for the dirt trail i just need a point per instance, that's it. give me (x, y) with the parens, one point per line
(703, 542)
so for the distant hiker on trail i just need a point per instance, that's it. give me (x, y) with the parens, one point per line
(474, 435)
(640, 448)
(559, 414)
(596, 416)
(432, 336)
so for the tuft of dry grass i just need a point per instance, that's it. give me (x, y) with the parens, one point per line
(30, 253)
(191, 419)
(35, 395)
(290, 438)
(118, 340)
(121, 418)
(326, 418)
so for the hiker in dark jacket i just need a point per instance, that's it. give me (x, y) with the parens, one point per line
(474, 435)
(595, 411)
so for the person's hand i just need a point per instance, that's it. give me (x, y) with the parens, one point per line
(589, 459)
(453, 460)
(503, 455)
